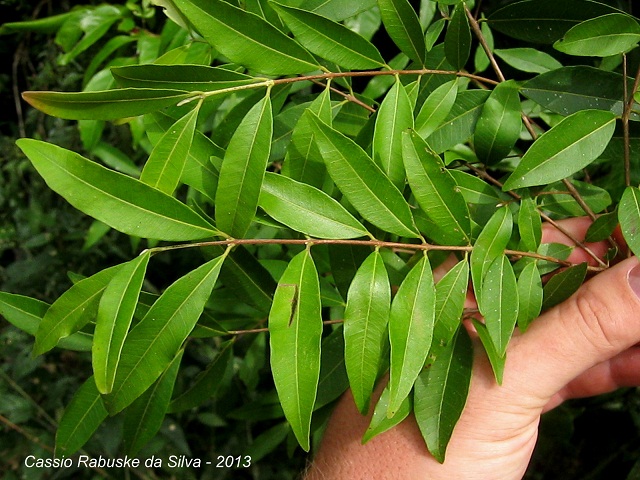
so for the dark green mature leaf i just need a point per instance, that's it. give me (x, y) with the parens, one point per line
(436, 108)
(435, 190)
(497, 361)
(402, 25)
(528, 59)
(121, 202)
(499, 125)
(144, 417)
(441, 392)
(550, 18)
(411, 324)
(72, 310)
(529, 295)
(115, 312)
(338, 10)
(330, 40)
(380, 422)
(81, 418)
(243, 170)
(154, 342)
(629, 215)
(104, 105)
(306, 209)
(362, 182)
(26, 314)
(562, 285)
(365, 326)
(451, 293)
(457, 41)
(295, 325)
(563, 202)
(603, 36)
(567, 148)
(246, 39)
(602, 227)
(333, 380)
(500, 302)
(475, 190)
(529, 225)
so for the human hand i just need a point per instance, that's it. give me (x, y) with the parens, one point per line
(582, 347)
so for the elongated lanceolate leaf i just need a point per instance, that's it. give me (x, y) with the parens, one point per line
(436, 108)
(306, 209)
(451, 292)
(529, 225)
(333, 380)
(562, 285)
(365, 326)
(402, 25)
(164, 167)
(246, 39)
(436, 192)
(104, 105)
(475, 190)
(363, 183)
(411, 325)
(528, 59)
(441, 392)
(295, 326)
(629, 216)
(529, 295)
(72, 310)
(81, 418)
(243, 170)
(457, 41)
(121, 202)
(115, 312)
(154, 342)
(380, 422)
(568, 147)
(497, 361)
(330, 40)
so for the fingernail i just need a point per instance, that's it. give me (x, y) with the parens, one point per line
(633, 278)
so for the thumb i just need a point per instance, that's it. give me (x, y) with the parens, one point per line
(599, 321)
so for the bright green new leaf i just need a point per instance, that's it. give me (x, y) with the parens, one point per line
(436, 108)
(144, 417)
(154, 342)
(72, 310)
(451, 293)
(562, 285)
(603, 36)
(164, 167)
(402, 25)
(499, 125)
(306, 209)
(80, 420)
(115, 312)
(457, 40)
(104, 105)
(629, 215)
(441, 392)
(497, 361)
(529, 295)
(528, 59)
(243, 170)
(330, 40)
(529, 224)
(436, 192)
(568, 147)
(362, 182)
(365, 326)
(47, 25)
(295, 325)
(121, 202)
(246, 38)
(380, 422)
(411, 324)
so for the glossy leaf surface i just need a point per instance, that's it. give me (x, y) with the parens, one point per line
(403, 26)
(457, 41)
(629, 215)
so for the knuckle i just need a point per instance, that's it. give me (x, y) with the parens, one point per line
(595, 319)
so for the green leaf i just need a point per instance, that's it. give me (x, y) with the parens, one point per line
(475, 190)
(295, 325)
(246, 39)
(306, 209)
(500, 302)
(629, 216)
(529, 295)
(165, 165)
(528, 59)
(333, 380)
(47, 25)
(338, 10)
(562, 285)
(457, 40)
(402, 25)
(26, 314)
(436, 108)
(394, 116)
(362, 182)
(365, 326)
(529, 225)
(436, 193)
(497, 361)
(154, 342)
(499, 125)
(568, 147)
(451, 293)
(188, 78)
(115, 312)
(330, 40)
(80, 419)
(72, 310)
(144, 417)
(411, 325)
(380, 422)
(563, 203)
(104, 105)
(243, 170)
(441, 391)
(603, 226)
(603, 36)
(121, 202)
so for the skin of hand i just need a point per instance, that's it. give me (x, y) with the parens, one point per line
(585, 346)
